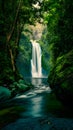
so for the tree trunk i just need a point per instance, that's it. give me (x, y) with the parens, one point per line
(12, 60)
(9, 36)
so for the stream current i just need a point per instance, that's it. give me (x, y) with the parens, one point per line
(35, 100)
(36, 114)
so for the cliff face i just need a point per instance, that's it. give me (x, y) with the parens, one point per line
(36, 31)
(24, 57)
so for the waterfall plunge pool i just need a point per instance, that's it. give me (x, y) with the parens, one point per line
(39, 101)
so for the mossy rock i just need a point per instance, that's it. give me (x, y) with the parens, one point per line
(5, 93)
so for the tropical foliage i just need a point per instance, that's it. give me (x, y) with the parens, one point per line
(59, 19)
(58, 41)
(13, 16)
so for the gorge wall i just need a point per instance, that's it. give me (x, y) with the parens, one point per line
(23, 61)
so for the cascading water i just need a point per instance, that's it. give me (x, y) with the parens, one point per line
(36, 68)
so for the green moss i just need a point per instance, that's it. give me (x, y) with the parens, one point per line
(61, 76)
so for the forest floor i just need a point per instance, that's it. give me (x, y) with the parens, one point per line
(41, 123)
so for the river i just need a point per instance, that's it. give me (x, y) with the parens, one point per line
(41, 111)
(38, 101)
(35, 100)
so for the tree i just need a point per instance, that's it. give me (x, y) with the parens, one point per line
(13, 16)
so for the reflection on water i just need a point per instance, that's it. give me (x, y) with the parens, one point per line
(34, 99)
(39, 101)
(37, 81)
(36, 106)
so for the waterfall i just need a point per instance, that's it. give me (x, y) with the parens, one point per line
(36, 68)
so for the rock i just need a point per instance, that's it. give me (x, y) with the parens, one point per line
(5, 93)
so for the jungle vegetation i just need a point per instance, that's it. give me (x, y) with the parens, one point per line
(58, 43)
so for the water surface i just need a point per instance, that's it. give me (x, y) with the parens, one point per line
(37, 101)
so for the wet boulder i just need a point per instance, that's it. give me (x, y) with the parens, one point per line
(5, 93)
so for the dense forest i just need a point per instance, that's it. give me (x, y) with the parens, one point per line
(58, 41)
(60, 25)
(18, 20)
(12, 19)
